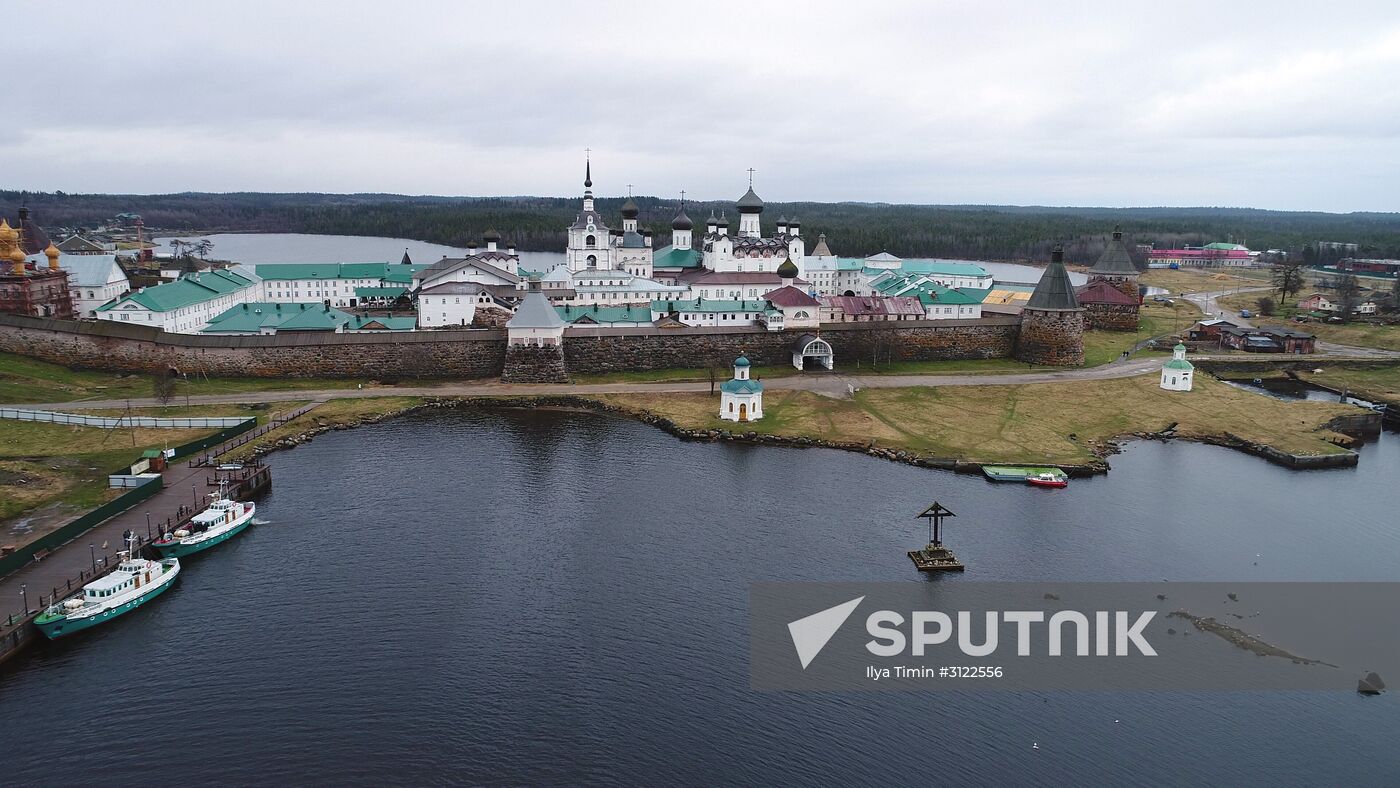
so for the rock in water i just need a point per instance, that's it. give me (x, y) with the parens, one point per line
(1371, 685)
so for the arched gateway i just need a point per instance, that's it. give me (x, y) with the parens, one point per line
(811, 346)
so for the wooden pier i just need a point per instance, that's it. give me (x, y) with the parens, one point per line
(25, 593)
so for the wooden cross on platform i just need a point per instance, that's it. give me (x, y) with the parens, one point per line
(935, 514)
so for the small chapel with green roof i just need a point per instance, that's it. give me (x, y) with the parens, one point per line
(741, 399)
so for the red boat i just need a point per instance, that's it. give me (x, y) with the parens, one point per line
(1048, 480)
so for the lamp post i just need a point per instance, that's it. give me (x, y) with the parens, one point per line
(148, 525)
(92, 552)
(24, 594)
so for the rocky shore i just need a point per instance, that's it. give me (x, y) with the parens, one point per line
(1102, 449)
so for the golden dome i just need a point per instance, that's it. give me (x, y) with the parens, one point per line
(51, 252)
(17, 255)
(7, 234)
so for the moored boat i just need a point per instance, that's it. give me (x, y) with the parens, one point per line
(133, 583)
(223, 520)
(1049, 479)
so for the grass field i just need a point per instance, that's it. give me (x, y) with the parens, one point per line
(42, 464)
(1057, 423)
(1374, 383)
(1184, 281)
(24, 379)
(333, 413)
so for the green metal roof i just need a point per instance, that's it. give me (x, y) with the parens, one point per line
(251, 318)
(708, 305)
(950, 296)
(396, 271)
(631, 313)
(189, 289)
(916, 267)
(741, 386)
(671, 257)
(380, 292)
(358, 322)
(1179, 364)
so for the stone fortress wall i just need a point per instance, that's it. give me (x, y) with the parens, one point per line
(113, 347)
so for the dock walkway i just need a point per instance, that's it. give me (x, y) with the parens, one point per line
(68, 567)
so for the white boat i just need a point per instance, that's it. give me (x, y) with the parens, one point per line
(134, 582)
(223, 520)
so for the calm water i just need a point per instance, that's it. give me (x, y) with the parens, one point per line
(526, 597)
(254, 248)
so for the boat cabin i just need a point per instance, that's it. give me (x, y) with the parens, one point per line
(130, 574)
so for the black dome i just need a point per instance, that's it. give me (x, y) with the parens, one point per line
(750, 202)
(682, 222)
(630, 209)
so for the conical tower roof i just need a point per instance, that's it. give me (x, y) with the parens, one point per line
(1115, 260)
(821, 249)
(1054, 290)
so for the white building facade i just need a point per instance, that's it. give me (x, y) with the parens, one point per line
(741, 399)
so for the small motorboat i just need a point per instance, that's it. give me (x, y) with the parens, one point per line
(1048, 479)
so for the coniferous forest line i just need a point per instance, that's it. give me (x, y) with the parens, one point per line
(852, 229)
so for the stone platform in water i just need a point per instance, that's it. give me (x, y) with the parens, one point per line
(936, 558)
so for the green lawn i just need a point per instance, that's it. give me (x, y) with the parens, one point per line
(1058, 423)
(44, 463)
(24, 379)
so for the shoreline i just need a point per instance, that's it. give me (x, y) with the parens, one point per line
(581, 403)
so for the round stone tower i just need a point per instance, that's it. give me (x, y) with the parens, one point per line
(1052, 322)
(1116, 267)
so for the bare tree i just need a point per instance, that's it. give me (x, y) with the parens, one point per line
(203, 247)
(1266, 306)
(1348, 294)
(163, 385)
(1289, 278)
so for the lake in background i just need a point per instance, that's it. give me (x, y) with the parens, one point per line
(255, 248)
(520, 597)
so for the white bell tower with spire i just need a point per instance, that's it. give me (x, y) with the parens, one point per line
(590, 247)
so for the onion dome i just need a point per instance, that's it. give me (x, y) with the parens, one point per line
(51, 252)
(17, 256)
(788, 270)
(741, 362)
(723, 222)
(750, 203)
(491, 235)
(7, 233)
(683, 222)
(630, 209)
(782, 220)
(793, 222)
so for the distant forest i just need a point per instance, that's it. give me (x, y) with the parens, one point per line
(852, 229)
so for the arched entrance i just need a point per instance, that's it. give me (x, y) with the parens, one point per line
(814, 348)
(743, 411)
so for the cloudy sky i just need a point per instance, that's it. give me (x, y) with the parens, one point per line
(1261, 103)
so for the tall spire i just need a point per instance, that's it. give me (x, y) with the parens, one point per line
(588, 168)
